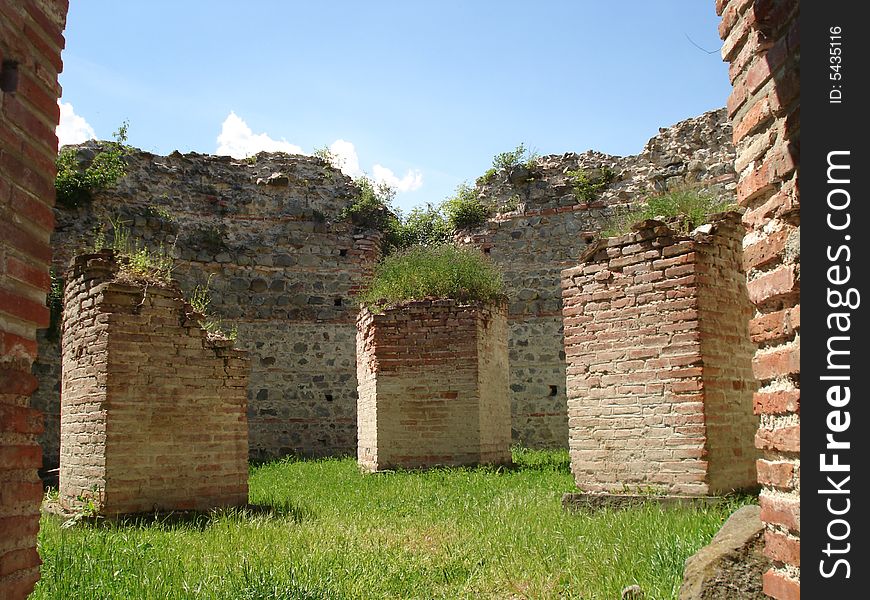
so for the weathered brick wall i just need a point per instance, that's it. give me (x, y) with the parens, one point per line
(762, 45)
(30, 45)
(154, 413)
(264, 234)
(549, 227)
(659, 362)
(433, 386)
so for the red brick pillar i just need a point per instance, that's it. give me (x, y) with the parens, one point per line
(30, 44)
(762, 45)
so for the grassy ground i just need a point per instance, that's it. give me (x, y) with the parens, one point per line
(334, 533)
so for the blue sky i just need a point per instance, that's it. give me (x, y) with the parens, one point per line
(419, 94)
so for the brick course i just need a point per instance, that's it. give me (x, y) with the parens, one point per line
(153, 412)
(659, 362)
(433, 386)
(31, 41)
(763, 47)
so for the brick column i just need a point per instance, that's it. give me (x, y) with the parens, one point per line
(433, 385)
(763, 47)
(659, 362)
(153, 411)
(30, 44)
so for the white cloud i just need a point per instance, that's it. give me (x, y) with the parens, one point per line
(237, 140)
(72, 129)
(412, 180)
(346, 158)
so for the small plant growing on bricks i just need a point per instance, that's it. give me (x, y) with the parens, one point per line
(442, 271)
(683, 208)
(432, 364)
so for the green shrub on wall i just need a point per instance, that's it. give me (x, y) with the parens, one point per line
(464, 210)
(684, 208)
(443, 271)
(75, 182)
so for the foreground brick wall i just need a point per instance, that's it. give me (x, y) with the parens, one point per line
(153, 414)
(659, 362)
(30, 45)
(433, 386)
(762, 45)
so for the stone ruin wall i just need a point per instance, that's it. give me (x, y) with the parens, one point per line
(550, 228)
(433, 385)
(762, 45)
(263, 234)
(660, 375)
(31, 40)
(264, 230)
(154, 411)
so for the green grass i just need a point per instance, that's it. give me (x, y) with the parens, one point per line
(693, 206)
(443, 271)
(336, 533)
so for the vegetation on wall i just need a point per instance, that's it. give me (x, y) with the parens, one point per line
(505, 161)
(464, 210)
(54, 302)
(443, 271)
(136, 261)
(373, 207)
(200, 301)
(587, 184)
(684, 209)
(75, 182)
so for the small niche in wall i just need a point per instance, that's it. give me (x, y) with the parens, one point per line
(342, 252)
(487, 250)
(336, 302)
(328, 397)
(554, 389)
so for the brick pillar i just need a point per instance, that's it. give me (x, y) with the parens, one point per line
(30, 44)
(659, 362)
(433, 385)
(153, 411)
(763, 47)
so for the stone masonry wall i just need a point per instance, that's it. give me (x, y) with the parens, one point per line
(31, 40)
(543, 226)
(154, 412)
(762, 45)
(433, 386)
(659, 362)
(263, 234)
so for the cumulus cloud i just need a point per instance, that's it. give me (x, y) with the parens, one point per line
(239, 141)
(412, 180)
(72, 129)
(346, 158)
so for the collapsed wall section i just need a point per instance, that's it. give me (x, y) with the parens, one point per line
(154, 412)
(433, 383)
(659, 362)
(263, 235)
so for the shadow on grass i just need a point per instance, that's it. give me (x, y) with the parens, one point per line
(192, 519)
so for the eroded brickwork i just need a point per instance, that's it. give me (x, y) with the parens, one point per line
(659, 362)
(263, 234)
(433, 386)
(31, 41)
(762, 45)
(545, 223)
(154, 413)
